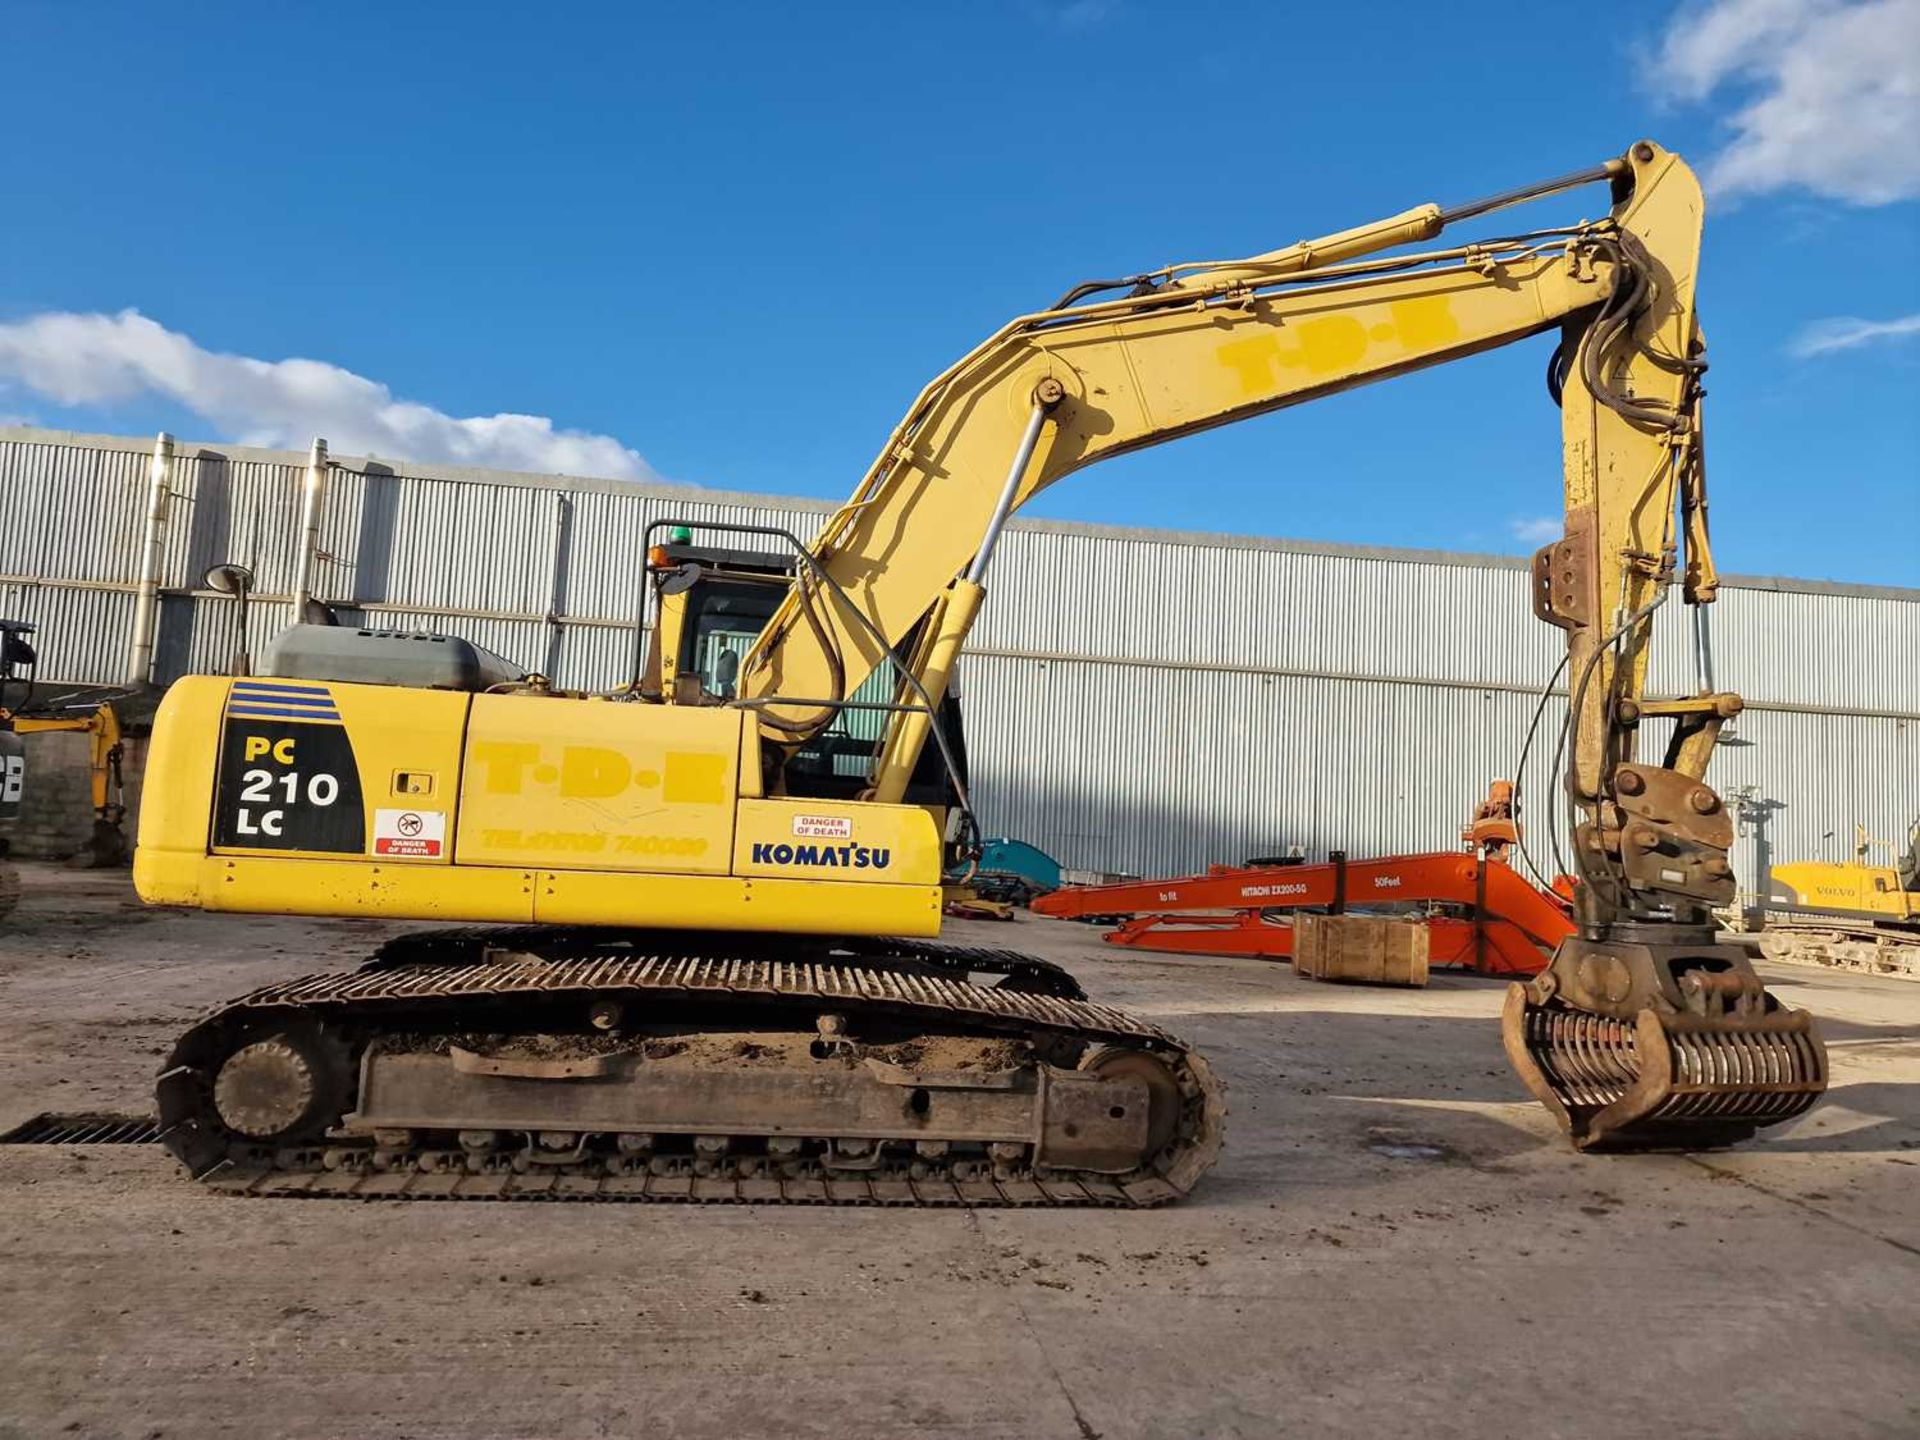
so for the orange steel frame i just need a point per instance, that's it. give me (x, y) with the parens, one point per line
(1510, 928)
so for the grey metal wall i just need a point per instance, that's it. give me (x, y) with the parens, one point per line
(1139, 701)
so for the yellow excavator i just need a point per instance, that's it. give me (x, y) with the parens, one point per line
(1857, 896)
(21, 714)
(698, 959)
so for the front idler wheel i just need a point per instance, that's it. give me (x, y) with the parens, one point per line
(282, 1087)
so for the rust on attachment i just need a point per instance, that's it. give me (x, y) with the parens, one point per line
(1674, 834)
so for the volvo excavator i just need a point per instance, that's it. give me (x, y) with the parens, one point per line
(698, 958)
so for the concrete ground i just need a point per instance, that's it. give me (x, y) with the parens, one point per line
(1393, 1243)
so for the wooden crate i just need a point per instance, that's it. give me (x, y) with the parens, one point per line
(1366, 949)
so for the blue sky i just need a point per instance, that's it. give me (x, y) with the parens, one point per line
(727, 244)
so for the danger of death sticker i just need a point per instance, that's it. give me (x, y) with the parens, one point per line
(417, 833)
(823, 827)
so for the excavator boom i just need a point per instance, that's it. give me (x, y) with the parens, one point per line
(1504, 925)
(1196, 346)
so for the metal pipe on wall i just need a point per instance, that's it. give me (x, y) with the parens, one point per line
(313, 493)
(146, 605)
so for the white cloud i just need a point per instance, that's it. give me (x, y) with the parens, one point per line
(1538, 530)
(1844, 332)
(1830, 92)
(96, 359)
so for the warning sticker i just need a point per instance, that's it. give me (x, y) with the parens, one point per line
(419, 833)
(823, 827)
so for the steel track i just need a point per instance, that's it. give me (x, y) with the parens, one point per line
(445, 975)
(1012, 969)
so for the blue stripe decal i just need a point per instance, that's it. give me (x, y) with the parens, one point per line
(321, 701)
(266, 712)
(287, 694)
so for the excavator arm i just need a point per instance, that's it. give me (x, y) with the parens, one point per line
(1643, 1031)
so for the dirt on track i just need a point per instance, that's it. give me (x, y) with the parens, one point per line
(1394, 1241)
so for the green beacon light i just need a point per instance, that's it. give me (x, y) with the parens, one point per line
(659, 558)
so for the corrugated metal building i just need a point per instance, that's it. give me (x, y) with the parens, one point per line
(1137, 701)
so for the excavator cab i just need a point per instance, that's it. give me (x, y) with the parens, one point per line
(17, 659)
(15, 654)
(710, 605)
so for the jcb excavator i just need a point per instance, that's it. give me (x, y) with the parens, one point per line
(106, 844)
(702, 964)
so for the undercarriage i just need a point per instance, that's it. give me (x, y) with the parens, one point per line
(597, 1065)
